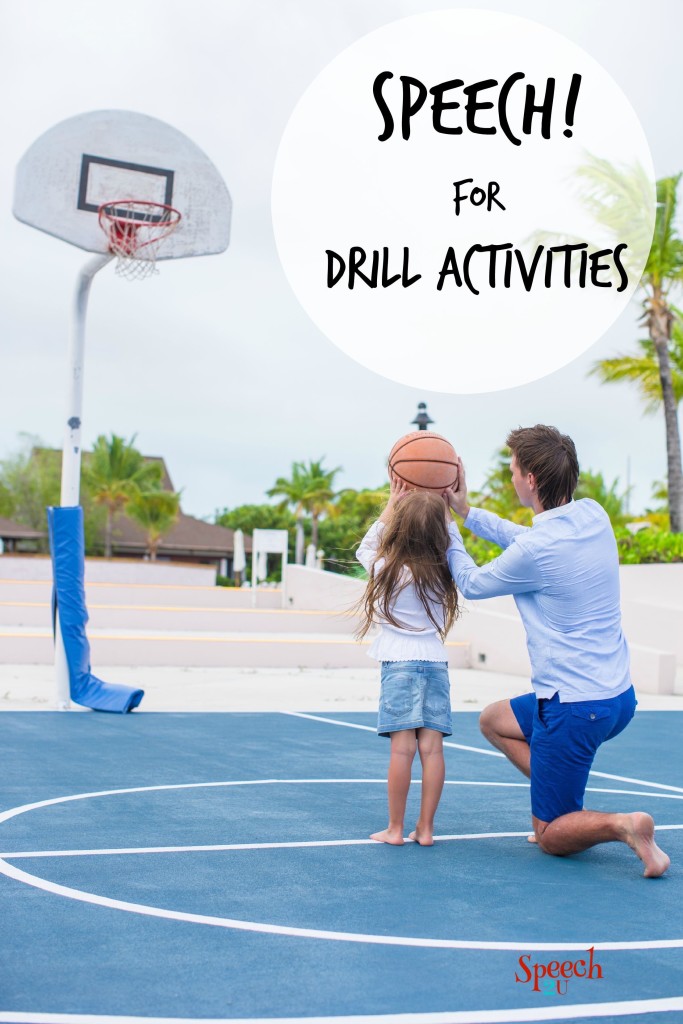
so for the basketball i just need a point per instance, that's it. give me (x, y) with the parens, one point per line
(425, 461)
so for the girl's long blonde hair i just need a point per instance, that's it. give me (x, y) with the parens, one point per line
(414, 539)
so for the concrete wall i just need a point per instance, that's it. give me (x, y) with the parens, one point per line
(659, 583)
(652, 605)
(320, 590)
(104, 570)
(496, 636)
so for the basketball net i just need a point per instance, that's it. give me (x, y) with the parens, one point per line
(136, 230)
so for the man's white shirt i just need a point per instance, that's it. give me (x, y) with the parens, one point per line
(563, 573)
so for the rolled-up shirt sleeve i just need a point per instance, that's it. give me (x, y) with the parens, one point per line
(367, 551)
(513, 572)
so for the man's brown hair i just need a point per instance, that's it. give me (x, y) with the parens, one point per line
(551, 457)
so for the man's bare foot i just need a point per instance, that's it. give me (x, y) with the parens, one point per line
(639, 834)
(392, 836)
(422, 837)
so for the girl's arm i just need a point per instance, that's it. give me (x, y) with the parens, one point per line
(367, 551)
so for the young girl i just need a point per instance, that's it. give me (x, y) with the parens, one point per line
(412, 595)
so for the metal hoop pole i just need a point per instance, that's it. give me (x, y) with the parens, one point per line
(71, 451)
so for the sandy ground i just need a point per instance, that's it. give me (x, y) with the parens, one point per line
(31, 688)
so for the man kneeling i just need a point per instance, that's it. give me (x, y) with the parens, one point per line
(563, 572)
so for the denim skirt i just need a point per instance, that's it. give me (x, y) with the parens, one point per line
(414, 695)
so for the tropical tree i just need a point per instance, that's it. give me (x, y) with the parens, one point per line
(342, 530)
(115, 473)
(156, 512)
(320, 494)
(308, 490)
(498, 493)
(255, 517)
(663, 272)
(593, 485)
(29, 482)
(294, 490)
(643, 370)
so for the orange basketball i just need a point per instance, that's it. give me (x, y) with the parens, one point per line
(424, 460)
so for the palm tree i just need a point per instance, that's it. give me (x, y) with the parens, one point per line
(308, 490)
(663, 271)
(643, 370)
(115, 473)
(320, 493)
(156, 512)
(295, 491)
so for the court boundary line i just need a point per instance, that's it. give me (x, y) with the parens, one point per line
(482, 750)
(517, 1015)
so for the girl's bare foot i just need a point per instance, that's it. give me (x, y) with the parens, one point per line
(639, 834)
(422, 837)
(393, 836)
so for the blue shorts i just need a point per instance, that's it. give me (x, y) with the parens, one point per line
(414, 695)
(564, 739)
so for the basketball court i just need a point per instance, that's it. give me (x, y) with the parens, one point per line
(194, 866)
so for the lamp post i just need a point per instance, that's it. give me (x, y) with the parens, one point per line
(423, 419)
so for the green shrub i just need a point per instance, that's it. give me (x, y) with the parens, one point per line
(225, 581)
(649, 545)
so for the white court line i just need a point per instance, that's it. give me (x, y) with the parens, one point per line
(526, 1015)
(482, 750)
(14, 811)
(318, 933)
(638, 782)
(265, 927)
(248, 846)
(370, 728)
(219, 848)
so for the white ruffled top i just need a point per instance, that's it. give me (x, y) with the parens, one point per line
(419, 640)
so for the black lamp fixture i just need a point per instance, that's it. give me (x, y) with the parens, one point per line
(423, 419)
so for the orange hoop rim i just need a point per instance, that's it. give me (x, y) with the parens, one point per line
(135, 239)
(107, 213)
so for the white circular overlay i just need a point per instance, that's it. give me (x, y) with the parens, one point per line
(548, 153)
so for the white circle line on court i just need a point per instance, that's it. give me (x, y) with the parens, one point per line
(265, 927)
(23, 808)
(517, 1015)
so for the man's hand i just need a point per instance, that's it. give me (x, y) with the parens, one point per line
(456, 496)
(397, 489)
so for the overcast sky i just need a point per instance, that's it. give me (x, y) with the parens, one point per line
(213, 363)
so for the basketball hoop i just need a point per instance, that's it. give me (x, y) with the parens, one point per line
(135, 229)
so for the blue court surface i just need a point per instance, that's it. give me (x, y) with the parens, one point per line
(216, 867)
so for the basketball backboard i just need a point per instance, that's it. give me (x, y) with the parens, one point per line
(110, 155)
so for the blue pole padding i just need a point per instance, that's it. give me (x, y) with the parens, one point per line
(67, 547)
